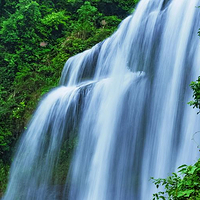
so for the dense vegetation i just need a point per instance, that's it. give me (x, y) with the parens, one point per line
(181, 185)
(36, 39)
(195, 85)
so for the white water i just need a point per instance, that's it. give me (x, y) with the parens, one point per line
(132, 116)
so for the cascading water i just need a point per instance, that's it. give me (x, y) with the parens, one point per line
(131, 117)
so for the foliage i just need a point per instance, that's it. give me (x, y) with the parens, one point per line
(196, 94)
(181, 185)
(87, 20)
(4, 169)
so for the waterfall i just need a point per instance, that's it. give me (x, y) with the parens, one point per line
(124, 104)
